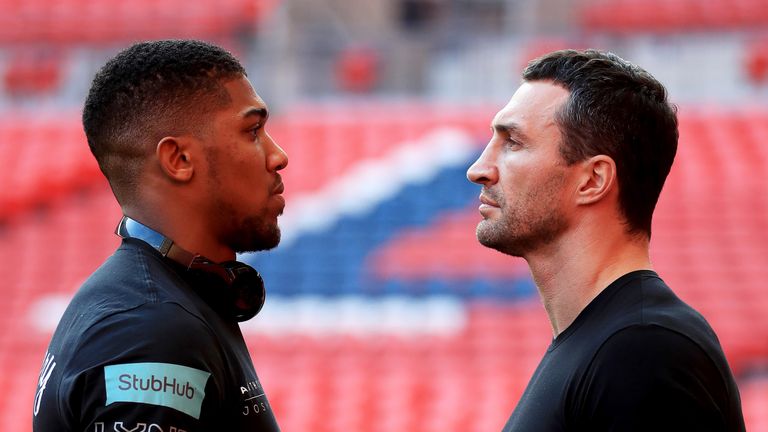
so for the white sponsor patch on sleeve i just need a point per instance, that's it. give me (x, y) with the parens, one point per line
(163, 384)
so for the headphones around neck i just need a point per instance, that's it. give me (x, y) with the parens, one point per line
(243, 293)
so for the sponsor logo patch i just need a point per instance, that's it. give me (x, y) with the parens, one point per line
(163, 384)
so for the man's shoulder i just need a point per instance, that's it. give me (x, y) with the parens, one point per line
(661, 340)
(134, 263)
(636, 305)
(132, 276)
(652, 345)
(660, 307)
(643, 299)
(149, 330)
(132, 291)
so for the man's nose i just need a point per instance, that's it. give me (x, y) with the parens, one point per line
(483, 171)
(277, 159)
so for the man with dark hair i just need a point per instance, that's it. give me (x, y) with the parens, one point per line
(570, 180)
(151, 340)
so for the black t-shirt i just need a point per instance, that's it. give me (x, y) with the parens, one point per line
(636, 359)
(139, 350)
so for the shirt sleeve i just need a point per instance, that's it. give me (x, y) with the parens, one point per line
(153, 365)
(647, 377)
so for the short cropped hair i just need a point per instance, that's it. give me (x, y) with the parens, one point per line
(617, 109)
(149, 91)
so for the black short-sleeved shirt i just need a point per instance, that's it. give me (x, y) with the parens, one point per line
(636, 359)
(139, 350)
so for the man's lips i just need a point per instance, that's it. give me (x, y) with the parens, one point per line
(277, 192)
(484, 199)
(280, 188)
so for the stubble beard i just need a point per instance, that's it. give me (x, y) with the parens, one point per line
(256, 236)
(518, 237)
(249, 233)
(529, 224)
(242, 233)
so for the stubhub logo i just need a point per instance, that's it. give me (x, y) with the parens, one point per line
(156, 384)
(163, 384)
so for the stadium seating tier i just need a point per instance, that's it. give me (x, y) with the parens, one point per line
(709, 243)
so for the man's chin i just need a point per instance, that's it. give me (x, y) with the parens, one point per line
(492, 238)
(487, 236)
(260, 242)
(274, 241)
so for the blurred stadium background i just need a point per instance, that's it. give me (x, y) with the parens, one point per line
(383, 313)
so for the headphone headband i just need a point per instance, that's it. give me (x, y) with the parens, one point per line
(132, 228)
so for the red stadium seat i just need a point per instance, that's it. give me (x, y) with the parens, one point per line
(756, 63)
(31, 74)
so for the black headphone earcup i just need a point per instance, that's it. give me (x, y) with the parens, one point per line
(249, 292)
(232, 288)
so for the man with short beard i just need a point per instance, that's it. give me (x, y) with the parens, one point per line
(570, 180)
(151, 340)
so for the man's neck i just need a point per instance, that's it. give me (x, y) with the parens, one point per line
(188, 233)
(575, 270)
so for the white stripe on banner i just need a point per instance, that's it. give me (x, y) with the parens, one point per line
(370, 182)
(360, 316)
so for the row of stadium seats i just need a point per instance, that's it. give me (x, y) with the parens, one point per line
(469, 382)
(80, 21)
(107, 21)
(668, 16)
(26, 74)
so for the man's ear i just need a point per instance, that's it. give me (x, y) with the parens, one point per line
(597, 179)
(175, 158)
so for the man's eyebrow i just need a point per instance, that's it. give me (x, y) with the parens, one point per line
(510, 128)
(256, 112)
